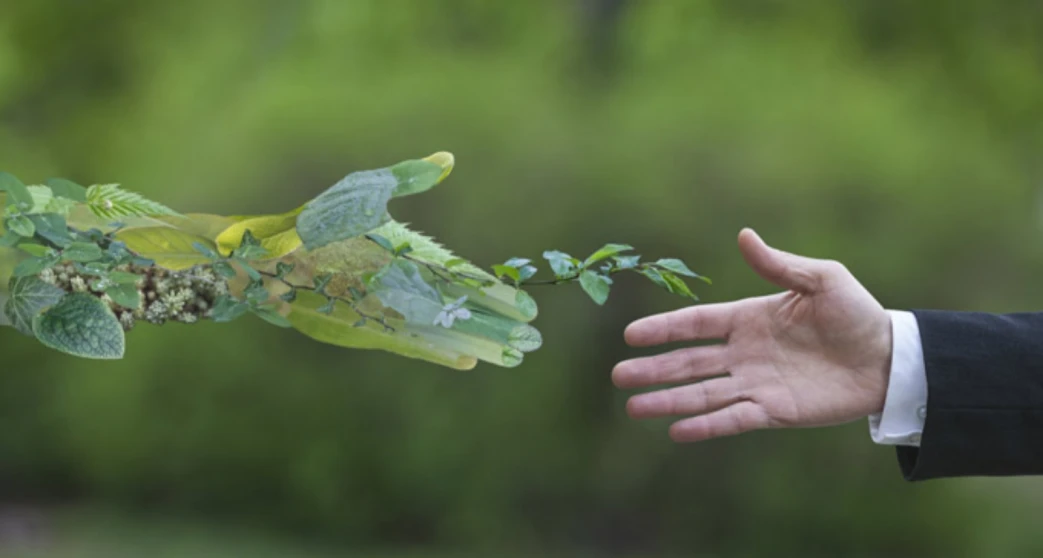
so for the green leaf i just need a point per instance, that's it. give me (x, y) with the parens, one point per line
(38, 250)
(346, 328)
(358, 203)
(382, 242)
(677, 266)
(282, 269)
(224, 269)
(453, 262)
(169, 247)
(561, 263)
(270, 315)
(420, 175)
(123, 277)
(655, 277)
(677, 285)
(403, 249)
(507, 271)
(329, 307)
(42, 197)
(353, 206)
(289, 296)
(606, 251)
(109, 201)
(205, 250)
(517, 262)
(21, 225)
(28, 297)
(82, 252)
(17, 194)
(10, 239)
(526, 272)
(256, 294)
(126, 295)
(626, 262)
(401, 287)
(67, 189)
(53, 228)
(227, 309)
(33, 266)
(595, 285)
(81, 325)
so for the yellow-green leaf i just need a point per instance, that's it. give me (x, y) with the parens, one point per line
(338, 328)
(167, 246)
(276, 233)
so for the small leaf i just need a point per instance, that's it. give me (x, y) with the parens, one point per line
(561, 263)
(124, 278)
(205, 250)
(224, 269)
(329, 307)
(321, 281)
(282, 269)
(38, 250)
(517, 262)
(676, 266)
(109, 201)
(507, 271)
(595, 285)
(606, 251)
(256, 294)
(677, 285)
(33, 266)
(289, 296)
(67, 189)
(21, 225)
(382, 242)
(420, 175)
(403, 249)
(450, 264)
(655, 277)
(126, 295)
(270, 315)
(42, 197)
(10, 239)
(227, 309)
(29, 296)
(53, 228)
(81, 325)
(626, 262)
(17, 194)
(82, 252)
(526, 272)
(252, 273)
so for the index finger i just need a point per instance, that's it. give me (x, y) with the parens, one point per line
(708, 321)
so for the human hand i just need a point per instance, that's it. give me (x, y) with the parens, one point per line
(816, 355)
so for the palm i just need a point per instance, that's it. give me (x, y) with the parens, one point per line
(814, 355)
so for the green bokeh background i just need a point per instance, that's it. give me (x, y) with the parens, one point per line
(900, 138)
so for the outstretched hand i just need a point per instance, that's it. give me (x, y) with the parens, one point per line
(816, 355)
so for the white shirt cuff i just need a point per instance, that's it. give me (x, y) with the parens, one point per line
(905, 407)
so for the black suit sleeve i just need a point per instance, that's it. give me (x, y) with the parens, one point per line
(984, 396)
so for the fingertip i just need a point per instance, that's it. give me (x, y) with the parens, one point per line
(638, 333)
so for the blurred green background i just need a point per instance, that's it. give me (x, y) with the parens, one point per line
(901, 138)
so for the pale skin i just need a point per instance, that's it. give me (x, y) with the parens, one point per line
(817, 354)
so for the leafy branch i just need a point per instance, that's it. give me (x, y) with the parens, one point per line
(82, 265)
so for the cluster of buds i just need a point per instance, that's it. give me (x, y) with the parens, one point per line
(183, 296)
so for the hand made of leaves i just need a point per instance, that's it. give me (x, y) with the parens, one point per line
(82, 265)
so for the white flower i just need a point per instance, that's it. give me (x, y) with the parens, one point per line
(452, 312)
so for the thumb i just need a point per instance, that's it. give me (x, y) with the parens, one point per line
(783, 269)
